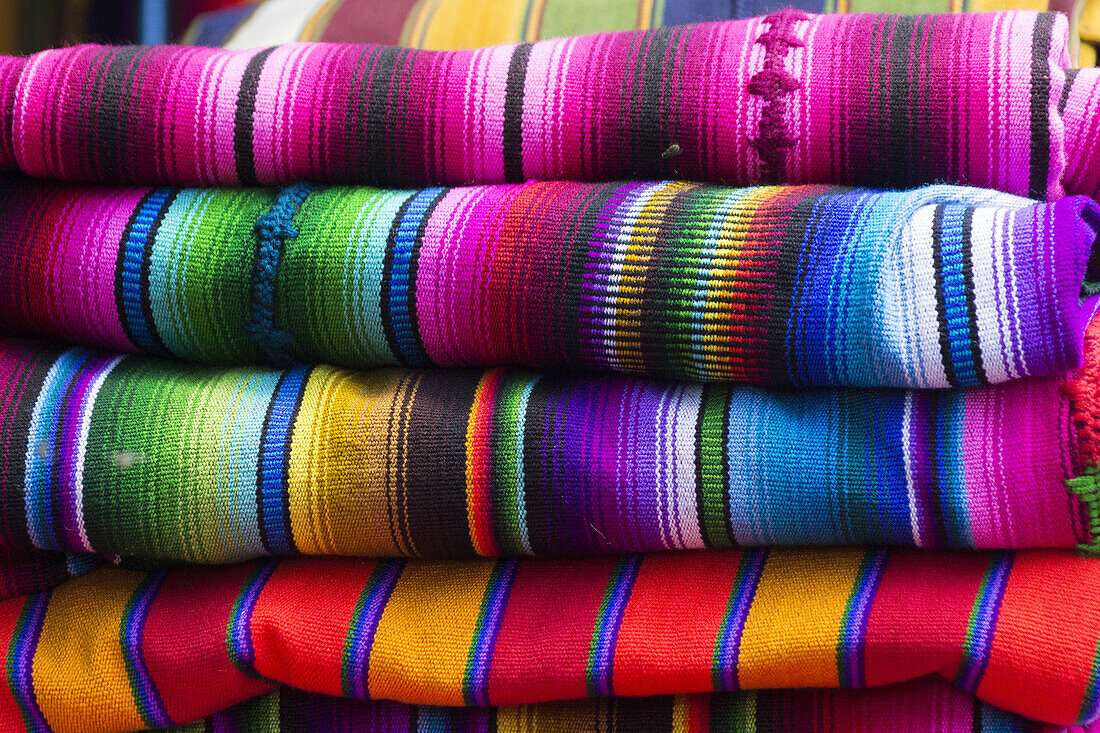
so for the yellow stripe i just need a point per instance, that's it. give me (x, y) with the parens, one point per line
(535, 11)
(681, 714)
(412, 34)
(319, 21)
(627, 346)
(80, 679)
(338, 503)
(457, 24)
(427, 626)
(813, 587)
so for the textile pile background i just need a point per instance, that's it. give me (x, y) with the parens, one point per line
(739, 375)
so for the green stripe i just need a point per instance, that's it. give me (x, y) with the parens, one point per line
(713, 434)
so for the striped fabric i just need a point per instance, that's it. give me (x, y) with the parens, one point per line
(1081, 108)
(741, 102)
(928, 705)
(452, 24)
(137, 457)
(1020, 630)
(940, 286)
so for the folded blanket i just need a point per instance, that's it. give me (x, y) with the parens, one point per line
(928, 705)
(444, 24)
(1081, 107)
(1019, 630)
(941, 286)
(138, 457)
(864, 100)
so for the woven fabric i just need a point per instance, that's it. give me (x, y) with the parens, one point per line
(1081, 108)
(928, 705)
(1020, 630)
(137, 457)
(453, 24)
(10, 69)
(742, 102)
(937, 287)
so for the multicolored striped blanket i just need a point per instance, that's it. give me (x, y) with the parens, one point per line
(139, 457)
(940, 286)
(928, 705)
(866, 100)
(454, 24)
(1020, 630)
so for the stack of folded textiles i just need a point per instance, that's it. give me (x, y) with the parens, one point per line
(740, 376)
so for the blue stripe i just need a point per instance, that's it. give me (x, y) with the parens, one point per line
(133, 289)
(399, 304)
(239, 638)
(957, 316)
(274, 454)
(40, 460)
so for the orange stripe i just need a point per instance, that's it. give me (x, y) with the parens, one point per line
(479, 487)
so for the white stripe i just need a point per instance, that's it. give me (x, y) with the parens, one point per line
(274, 22)
(906, 435)
(81, 449)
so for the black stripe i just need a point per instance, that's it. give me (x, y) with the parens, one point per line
(378, 140)
(357, 155)
(110, 134)
(937, 485)
(1040, 99)
(387, 277)
(146, 262)
(23, 387)
(941, 301)
(781, 364)
(901, 127)
(242, 122)
(971, 301)
(645, 134)
(513, 114)
(703, 442)
(435, 455)
(396, 426)
(1071, 77)
(643, 714)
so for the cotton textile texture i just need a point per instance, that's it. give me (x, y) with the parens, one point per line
(937, 287)
(1019, 630)
(790, 98)
(928, 705)
(1081, 106)
(138, 457)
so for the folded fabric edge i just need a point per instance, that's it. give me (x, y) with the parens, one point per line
(1084, 392)
(925, 704)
